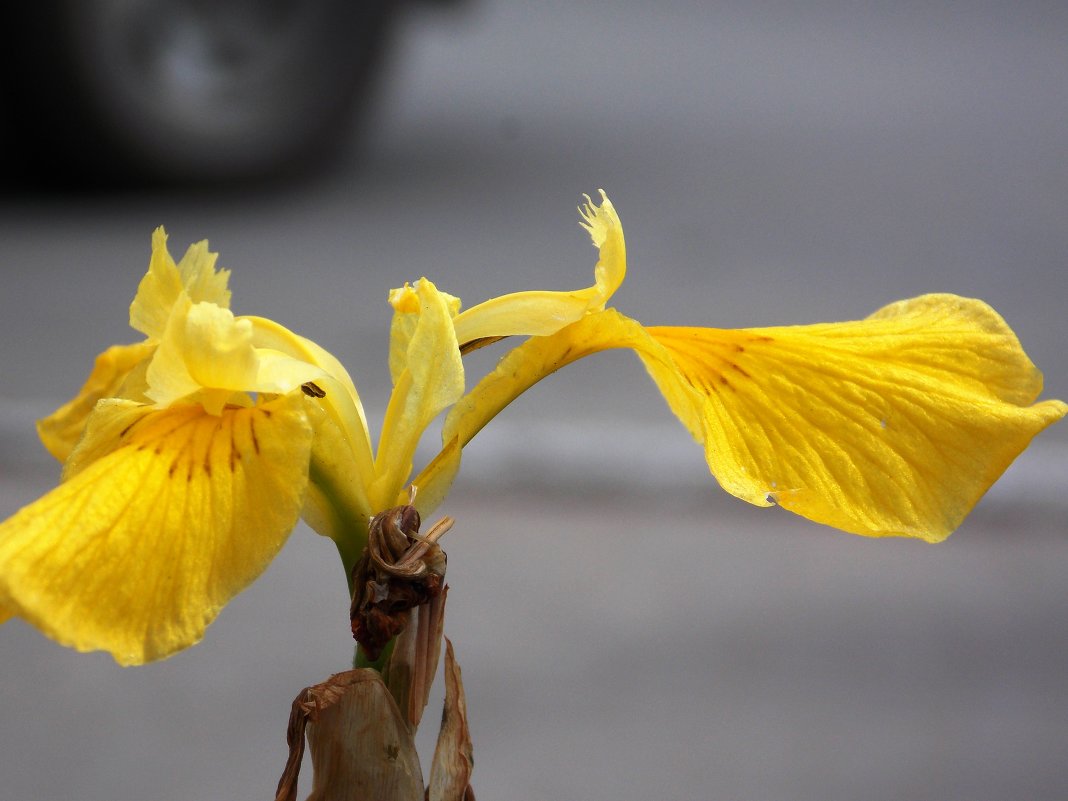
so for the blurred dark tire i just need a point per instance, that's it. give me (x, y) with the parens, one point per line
(193, 92)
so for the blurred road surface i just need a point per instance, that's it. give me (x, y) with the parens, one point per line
(625, 629)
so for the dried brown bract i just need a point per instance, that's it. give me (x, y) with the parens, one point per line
(398, 571)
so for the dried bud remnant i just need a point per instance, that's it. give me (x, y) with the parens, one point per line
(398, 571)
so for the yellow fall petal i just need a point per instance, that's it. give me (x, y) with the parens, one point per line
(61, 430)
(142, 545)
(540, 313)
(431, 381)
(894, 425)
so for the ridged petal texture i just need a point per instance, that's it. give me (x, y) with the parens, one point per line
(893, 425)
(164, 515)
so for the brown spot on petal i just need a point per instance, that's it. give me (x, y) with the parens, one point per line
(126, 430)
(252, 432)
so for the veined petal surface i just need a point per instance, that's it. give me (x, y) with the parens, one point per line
(432, 379)
(174, 513)
(540, 313)
(893, 425)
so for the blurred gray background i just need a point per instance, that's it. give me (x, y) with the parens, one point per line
(626, 630)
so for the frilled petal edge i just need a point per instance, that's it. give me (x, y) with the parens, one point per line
(543, 312)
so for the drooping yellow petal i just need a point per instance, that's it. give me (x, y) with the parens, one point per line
(61, 430)
(895, 425)
(539, 313)
(269, 334)
(342, 465)
(431, 381)
(165, 281)
(891, 426)
(142, 545)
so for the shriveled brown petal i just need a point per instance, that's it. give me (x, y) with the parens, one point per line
(414, 660)
(450, 775)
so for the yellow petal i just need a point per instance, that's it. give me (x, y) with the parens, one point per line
(61, 430)
(200, 280)
(268, 334)
(207, 355)
(431, 381)
(894, 425)
(516, 372)
(158, 290)
(138, 551)
(165, 281)
(203, 347)
(407, 307)
(540, 313)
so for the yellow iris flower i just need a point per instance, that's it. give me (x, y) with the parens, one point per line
(190, 456)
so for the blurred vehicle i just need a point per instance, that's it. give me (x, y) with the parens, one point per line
(114, 92)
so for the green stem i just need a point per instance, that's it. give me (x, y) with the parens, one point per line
(361, 660)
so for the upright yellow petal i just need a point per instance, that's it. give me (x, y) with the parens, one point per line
(407, 306)
(165, 281)
(894, 425)
(158, 290)
(62, 429)
(431, 381)
(539, 313)
(201, 281)
(138, 551)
